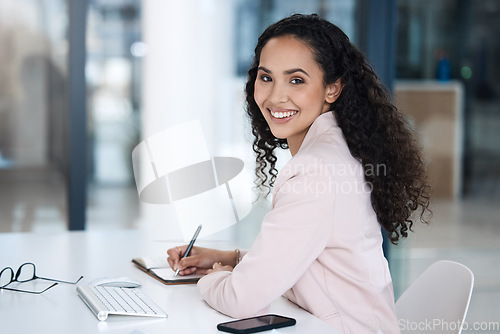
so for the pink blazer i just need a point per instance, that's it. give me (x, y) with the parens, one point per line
(320, 245)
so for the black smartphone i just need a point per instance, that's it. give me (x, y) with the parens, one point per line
(256, 324)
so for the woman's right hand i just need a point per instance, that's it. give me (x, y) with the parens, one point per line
(199, 261)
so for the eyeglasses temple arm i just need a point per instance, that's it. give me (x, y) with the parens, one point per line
(33, 292)
(56, 280)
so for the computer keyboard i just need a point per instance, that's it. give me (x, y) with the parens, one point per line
(107, 300)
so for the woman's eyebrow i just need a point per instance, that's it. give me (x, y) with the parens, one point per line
(262, 68)
(287, 72)
(293, 70)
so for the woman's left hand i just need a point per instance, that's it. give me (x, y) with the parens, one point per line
(219, 267)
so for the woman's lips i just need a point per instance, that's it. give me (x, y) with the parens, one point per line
(279, 114)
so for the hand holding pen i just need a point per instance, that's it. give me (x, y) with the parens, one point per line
(190, 246)
(198, 260)
(178, 254)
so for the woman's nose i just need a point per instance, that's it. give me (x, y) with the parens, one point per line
(278, 94)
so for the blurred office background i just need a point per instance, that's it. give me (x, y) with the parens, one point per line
(151, 64)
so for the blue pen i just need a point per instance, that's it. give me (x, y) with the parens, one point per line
(191, 244)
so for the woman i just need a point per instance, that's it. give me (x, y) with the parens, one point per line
(355, 167)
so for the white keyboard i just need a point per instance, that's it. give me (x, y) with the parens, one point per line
(104, 301)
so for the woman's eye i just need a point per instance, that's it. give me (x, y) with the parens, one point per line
(265, 78)
(297, 81)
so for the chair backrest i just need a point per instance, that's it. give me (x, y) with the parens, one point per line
(437, 301)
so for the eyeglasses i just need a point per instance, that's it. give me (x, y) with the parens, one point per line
(26, 273)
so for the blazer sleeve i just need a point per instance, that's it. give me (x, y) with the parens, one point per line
(293, 234)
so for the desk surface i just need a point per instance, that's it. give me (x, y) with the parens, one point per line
(68, 255)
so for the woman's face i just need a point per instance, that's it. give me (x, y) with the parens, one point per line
(289, 89)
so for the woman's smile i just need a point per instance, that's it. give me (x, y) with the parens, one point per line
(281, 115)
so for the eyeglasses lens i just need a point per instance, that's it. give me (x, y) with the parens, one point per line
(5, 277)
(26, 272)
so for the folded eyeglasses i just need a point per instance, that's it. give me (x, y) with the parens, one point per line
(26, 273)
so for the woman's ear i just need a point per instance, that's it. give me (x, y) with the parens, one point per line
(333, 90)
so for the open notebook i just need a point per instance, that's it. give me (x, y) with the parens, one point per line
(159, 268)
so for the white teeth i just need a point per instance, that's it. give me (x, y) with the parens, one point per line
(283, 114)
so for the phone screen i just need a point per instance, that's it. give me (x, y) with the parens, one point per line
(256, 324)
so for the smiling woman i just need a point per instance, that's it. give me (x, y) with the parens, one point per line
(376, 133)
(311, 91)
(289, 89)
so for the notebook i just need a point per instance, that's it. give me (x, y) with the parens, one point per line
(159, 268)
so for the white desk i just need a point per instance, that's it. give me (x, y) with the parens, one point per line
(68, 255)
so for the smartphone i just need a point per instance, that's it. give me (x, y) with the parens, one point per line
(256, 324)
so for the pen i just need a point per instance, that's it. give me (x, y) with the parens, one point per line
(188, 249)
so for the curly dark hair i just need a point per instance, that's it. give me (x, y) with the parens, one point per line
(377, 134)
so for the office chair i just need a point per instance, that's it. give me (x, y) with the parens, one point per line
(437, 301)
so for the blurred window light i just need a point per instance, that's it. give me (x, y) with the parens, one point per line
(139, 49)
